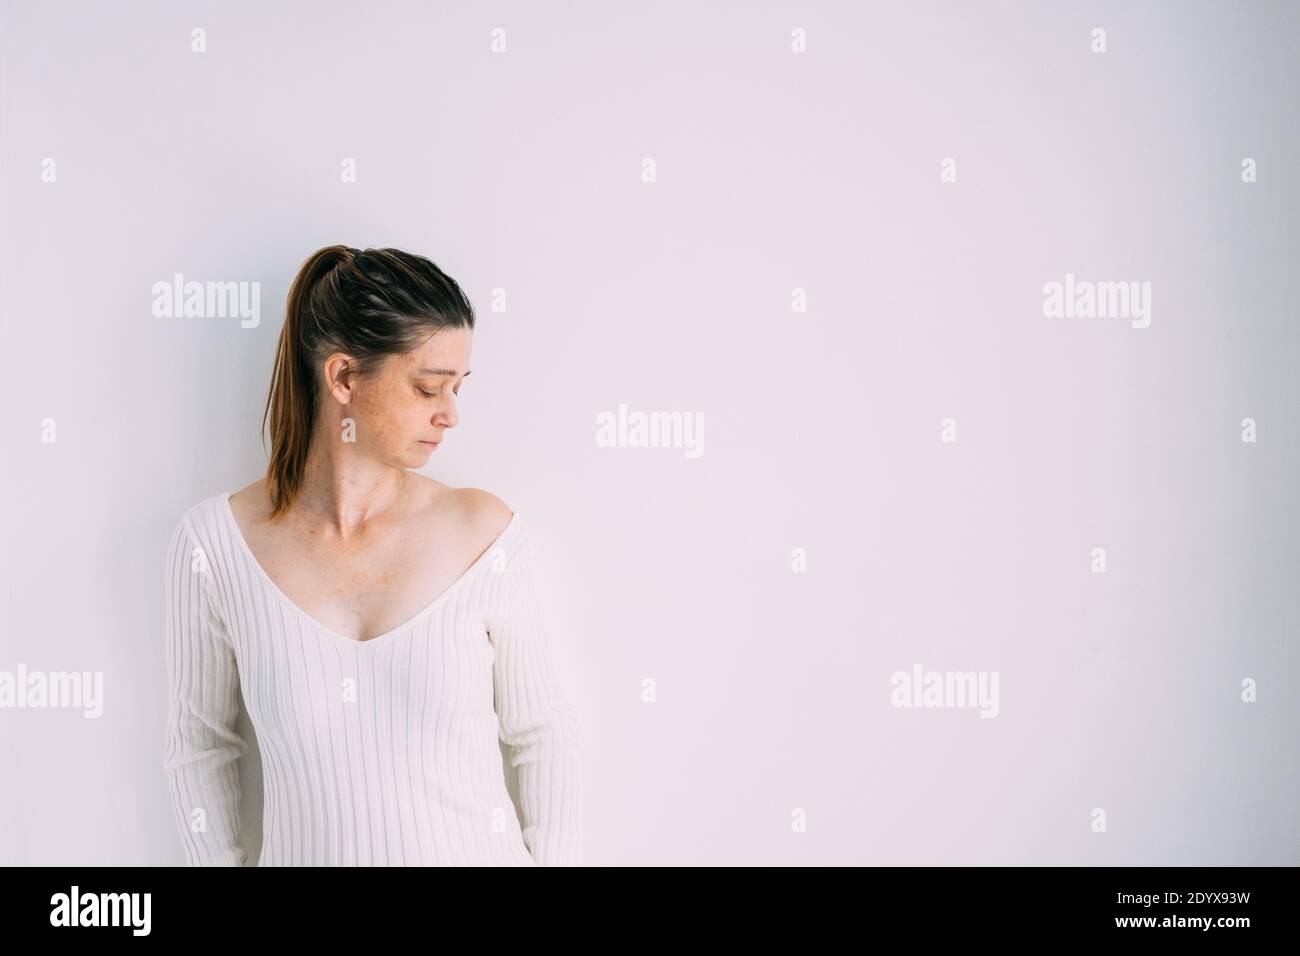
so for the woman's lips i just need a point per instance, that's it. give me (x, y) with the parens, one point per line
(430, 444)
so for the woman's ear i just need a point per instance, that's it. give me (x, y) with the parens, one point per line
(340, 373)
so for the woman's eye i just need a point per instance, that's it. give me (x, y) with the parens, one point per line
(426, 394)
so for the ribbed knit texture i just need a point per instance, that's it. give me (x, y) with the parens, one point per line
(374, 753)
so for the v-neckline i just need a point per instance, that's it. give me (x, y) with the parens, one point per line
(269, 582)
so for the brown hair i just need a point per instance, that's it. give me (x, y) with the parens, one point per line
(368, 304)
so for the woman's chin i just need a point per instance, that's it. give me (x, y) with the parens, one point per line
(419, 454)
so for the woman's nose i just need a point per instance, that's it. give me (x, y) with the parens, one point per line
(447, 414)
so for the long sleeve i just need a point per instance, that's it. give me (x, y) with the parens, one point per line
(201, 747)
(537, 719)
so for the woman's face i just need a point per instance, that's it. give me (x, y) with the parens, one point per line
(403, 410)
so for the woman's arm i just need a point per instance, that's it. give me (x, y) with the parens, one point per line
(201, 747)
(537, 719)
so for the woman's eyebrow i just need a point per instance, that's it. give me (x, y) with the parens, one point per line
(440, 371)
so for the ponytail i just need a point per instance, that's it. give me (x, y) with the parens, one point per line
(291, 403)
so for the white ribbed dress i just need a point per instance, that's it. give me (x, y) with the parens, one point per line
(374, 753)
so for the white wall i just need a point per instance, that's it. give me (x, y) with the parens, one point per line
(775, 170)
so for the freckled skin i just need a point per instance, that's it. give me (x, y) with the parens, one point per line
(369, 542)
(392, 415)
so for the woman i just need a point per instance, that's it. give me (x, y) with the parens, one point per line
(385, 629)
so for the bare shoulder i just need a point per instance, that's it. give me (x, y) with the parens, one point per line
(252, 502)
(482, 511)
(472, 515)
